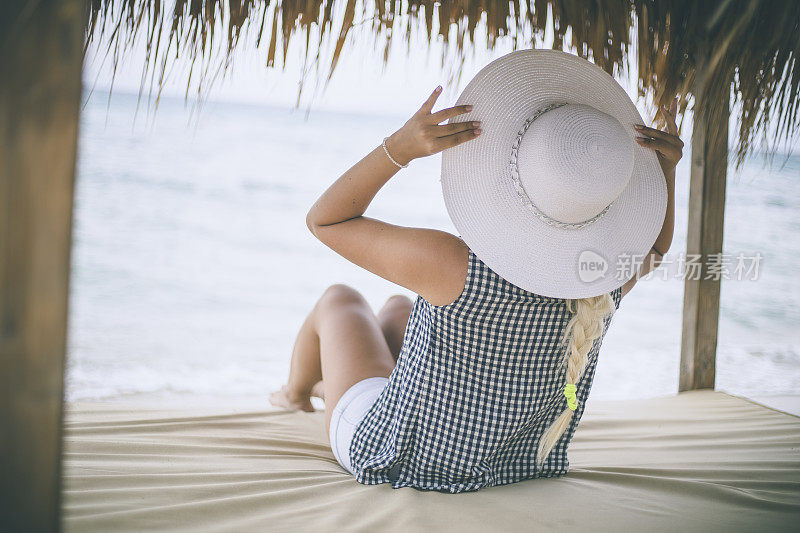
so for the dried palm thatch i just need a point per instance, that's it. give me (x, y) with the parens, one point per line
(748, 48)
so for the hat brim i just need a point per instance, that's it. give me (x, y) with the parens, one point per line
(503, 232)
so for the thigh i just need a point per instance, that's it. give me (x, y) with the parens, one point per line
(393, 318)
(352, 345)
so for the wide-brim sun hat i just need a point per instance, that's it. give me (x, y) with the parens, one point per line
(555, 195)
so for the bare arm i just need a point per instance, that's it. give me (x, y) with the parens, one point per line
(430, 262)
(669, 149)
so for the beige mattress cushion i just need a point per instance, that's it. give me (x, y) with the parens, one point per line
(697, 461)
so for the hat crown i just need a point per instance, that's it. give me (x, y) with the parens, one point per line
(573, 161)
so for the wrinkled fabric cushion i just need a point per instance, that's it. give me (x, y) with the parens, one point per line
(697, 461)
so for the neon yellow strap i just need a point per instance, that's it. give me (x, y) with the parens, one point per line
(569, 392)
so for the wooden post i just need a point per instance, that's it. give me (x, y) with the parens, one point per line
(40, 85)
(704, 237)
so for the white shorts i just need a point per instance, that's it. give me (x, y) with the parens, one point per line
(349, 411)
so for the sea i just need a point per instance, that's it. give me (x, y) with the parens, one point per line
(193, 269)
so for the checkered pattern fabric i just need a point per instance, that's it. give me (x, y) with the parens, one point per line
(474, 388)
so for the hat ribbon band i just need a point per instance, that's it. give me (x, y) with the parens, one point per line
(521, 190)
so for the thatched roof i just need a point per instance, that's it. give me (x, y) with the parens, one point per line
(749, 45)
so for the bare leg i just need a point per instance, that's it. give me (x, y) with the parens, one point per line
(304, 368)
(350, 347)
(393, 319)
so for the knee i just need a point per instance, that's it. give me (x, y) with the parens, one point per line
(398, 303)
(339, 294)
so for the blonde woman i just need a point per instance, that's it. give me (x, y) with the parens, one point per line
(550, 177)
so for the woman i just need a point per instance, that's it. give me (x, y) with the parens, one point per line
(482, 379)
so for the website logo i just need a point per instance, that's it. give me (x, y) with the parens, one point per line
(591, 266)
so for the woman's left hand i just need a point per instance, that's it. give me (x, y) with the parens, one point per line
(423, 135)
(667, 145)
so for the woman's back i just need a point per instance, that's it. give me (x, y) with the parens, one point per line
(477, 383)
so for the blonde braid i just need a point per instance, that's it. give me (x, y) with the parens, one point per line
(583, 328)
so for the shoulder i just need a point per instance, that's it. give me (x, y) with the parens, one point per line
(452, 258)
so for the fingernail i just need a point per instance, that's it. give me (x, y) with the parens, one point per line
(638, 126)
(438, 89)
(476, 124)
(469, 108)
(478, 131)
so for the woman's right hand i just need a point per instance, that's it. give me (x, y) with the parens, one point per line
(422, 135)
(667, 145)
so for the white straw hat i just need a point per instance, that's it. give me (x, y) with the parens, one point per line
(555, 195)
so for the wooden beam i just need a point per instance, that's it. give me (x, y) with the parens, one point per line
(704, 238)
(40, 86)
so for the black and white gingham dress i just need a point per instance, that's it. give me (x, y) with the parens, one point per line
(474, 388)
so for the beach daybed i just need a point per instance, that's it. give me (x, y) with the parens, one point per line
(696, 461)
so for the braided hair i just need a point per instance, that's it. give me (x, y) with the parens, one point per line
(584, 327)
